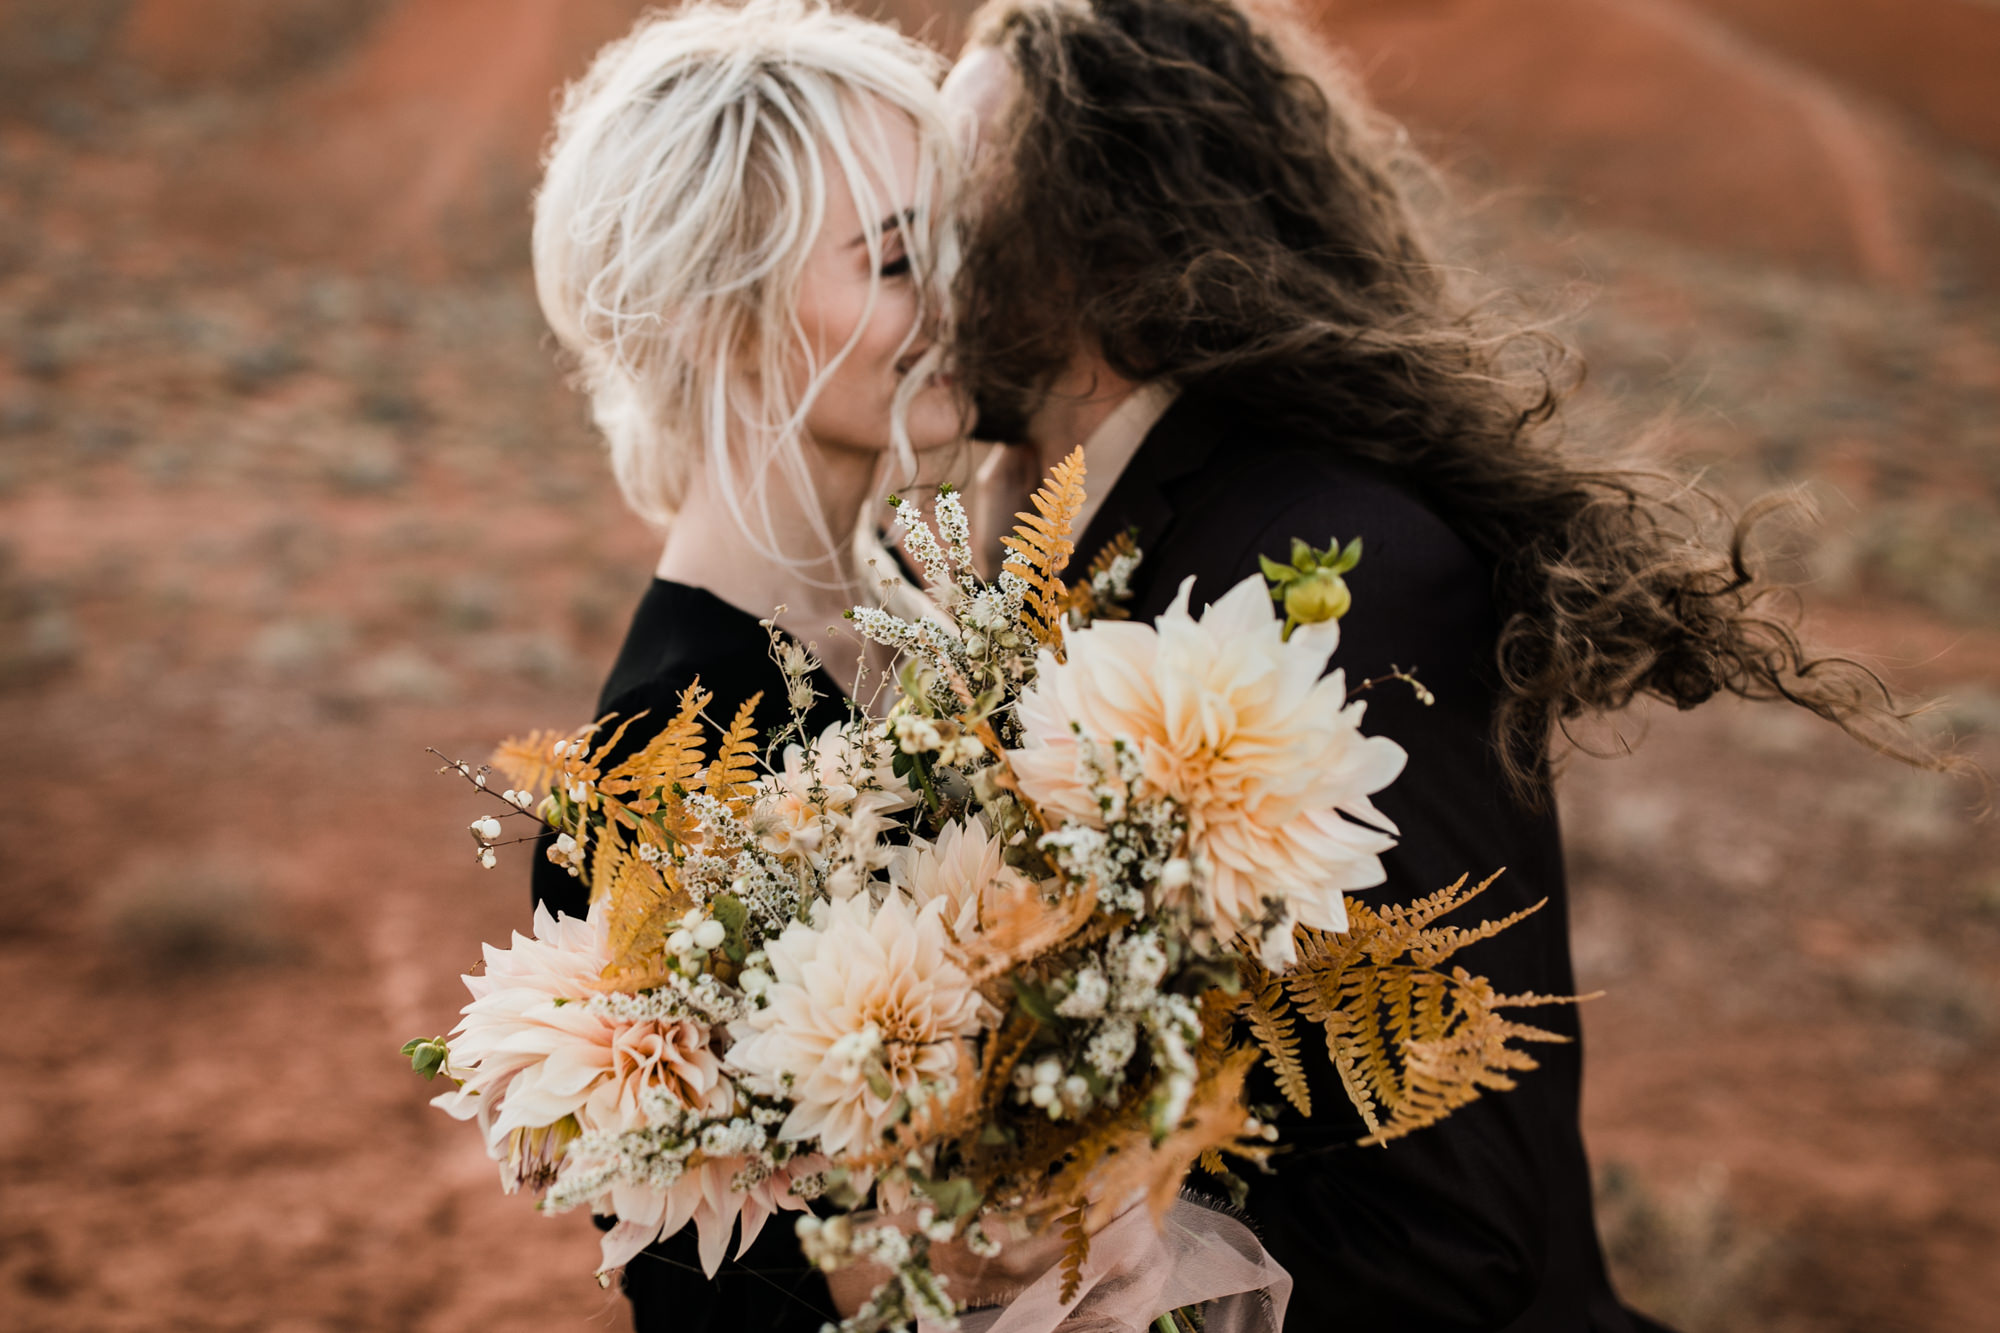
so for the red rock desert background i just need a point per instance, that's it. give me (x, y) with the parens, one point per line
(290, 487)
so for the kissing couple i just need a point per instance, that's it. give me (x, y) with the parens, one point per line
(798, 265)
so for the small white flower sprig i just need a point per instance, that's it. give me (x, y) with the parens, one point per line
(487, 830)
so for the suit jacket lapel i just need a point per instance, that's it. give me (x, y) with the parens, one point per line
(1180, 442)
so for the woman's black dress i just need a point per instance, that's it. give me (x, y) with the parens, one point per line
(680, 634)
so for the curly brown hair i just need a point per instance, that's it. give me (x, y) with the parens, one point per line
(1185, 199)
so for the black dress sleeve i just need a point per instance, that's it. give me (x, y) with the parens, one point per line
(1449, 1227)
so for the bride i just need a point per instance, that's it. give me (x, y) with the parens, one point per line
(739, 239)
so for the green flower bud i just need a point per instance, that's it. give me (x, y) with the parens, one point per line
(427, 1057)
(1317, 597)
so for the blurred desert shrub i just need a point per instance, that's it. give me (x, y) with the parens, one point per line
(1945, 556)
(1682, 1255)
(38, 639)
(188, 916)
(1923, 987)
(60, 59)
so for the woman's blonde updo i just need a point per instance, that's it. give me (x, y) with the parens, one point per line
(684, 187)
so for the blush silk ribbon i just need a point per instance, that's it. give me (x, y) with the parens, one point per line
(1137, 1272)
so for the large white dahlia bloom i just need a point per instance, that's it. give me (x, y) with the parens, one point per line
(867, 1003)
(1236, 724)
(964, 868)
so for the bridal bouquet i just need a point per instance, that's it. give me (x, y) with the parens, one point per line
(994, 966)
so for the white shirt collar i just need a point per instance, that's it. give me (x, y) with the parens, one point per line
(1112, 446)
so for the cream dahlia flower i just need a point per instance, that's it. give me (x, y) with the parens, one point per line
(867, 1003)
(836, 792)
(706, 1195)
(531, 1050)
(1239, 727)
(963, 868)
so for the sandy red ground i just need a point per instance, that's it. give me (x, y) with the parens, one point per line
(270, 526)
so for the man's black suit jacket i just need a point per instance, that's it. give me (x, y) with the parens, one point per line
(1483, 1222)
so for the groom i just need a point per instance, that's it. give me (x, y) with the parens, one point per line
(1196, 264)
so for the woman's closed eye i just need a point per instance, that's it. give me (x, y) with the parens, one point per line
(896, 266)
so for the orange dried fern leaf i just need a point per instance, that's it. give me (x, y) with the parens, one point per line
(1083, 599)
(1018, 924)
(669, 758)
(1041, 546)
(1411, 1042)
(1076, 1253)
(642, 907)
(529, 762)
(733, 771)
(1215, 1119)
(1269, 1014)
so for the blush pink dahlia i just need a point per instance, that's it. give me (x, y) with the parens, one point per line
(532, 1053)
(1239, 727)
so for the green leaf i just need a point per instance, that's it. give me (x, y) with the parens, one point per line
(730, 911)
(1035, 1002)
(1303, 559)
(954, 1197)
(1274, 571)
(839, 1189)
(1349, 557)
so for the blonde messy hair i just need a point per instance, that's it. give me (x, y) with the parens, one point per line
(683, 189)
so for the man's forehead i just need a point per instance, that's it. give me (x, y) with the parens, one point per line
(981, 85)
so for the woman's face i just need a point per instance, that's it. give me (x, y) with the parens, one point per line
(852, 411)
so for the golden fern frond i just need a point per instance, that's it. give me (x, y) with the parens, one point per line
(1003, 1052)
(1041, 547)
(528, 762)
(672, 756)
(609, 858)
(1410, 1042)
(1269, 1013)
(1214, 1120)
(1082, 598)
(734, 768)
(1076, 1253)
(643, 906)
(1218, 1028)
(1407, 928)
(1469, 1054)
